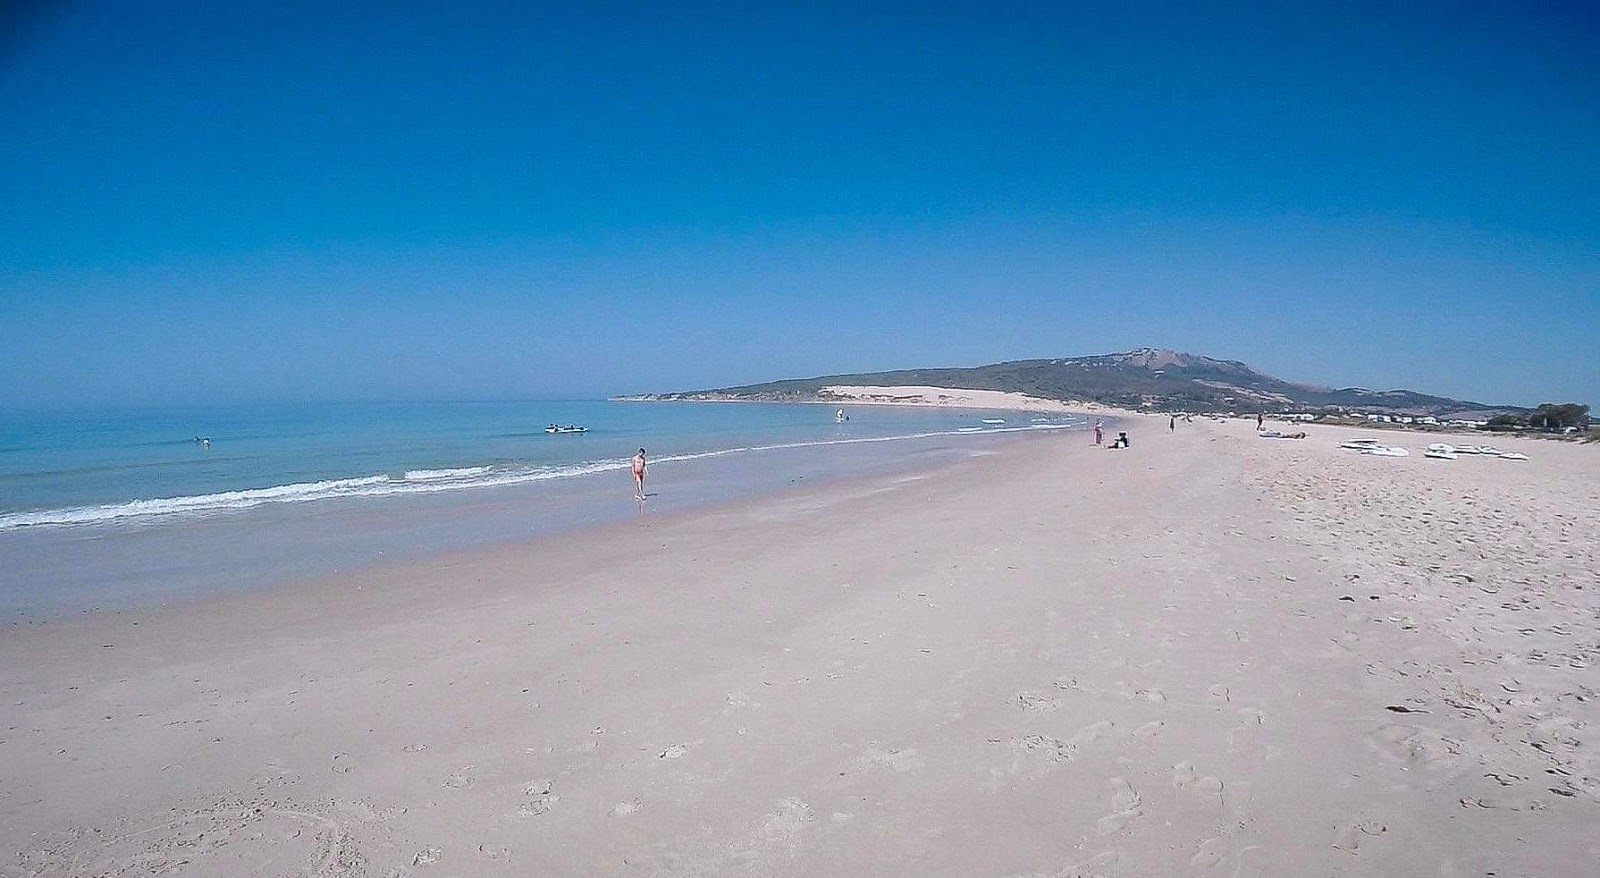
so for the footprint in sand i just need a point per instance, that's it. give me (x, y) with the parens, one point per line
(539, 798)
(1211, 852)
(427, 856)
(1349, 838)
(1035, 701)
(623, 809)
(1154, 696)
(900, 760)
(674, 752)
(1417, 747)
(1073, 684)
(495, 851)
(1125, 808)
(1184, 777)
(1089, 734)
(738, 701)
(1148, 731)
(1247, 736)
(461, 779)
(1102, 865)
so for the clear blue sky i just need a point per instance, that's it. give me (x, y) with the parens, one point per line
(365, 201)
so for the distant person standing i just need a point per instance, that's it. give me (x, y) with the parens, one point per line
(638, 475)
(1260, 421)
(1172, 424)
(1099, 432)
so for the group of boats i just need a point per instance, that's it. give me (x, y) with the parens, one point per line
(1446, 451)
(1437, 451)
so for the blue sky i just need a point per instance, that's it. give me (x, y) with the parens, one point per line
(353, 201)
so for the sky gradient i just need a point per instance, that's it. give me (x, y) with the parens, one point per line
(366, 201)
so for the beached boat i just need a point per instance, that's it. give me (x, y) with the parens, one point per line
(1440, 451)
(567, 428)
(1386, 451)
(1467, 449)
(1359, 444)
(1513, 455)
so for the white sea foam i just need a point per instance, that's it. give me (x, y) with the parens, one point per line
(412, 482)
(429, 475)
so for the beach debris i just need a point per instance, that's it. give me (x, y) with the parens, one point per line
(1400, 708)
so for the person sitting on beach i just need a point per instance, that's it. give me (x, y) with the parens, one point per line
(638, 475)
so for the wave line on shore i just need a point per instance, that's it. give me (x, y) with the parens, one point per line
(411, 482)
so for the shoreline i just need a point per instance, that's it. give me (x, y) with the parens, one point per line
(272, 547)
(1206, 651)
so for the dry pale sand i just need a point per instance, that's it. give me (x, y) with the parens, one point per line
(921, 395)
(1206, 654)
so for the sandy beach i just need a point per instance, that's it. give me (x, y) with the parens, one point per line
(1207, 654)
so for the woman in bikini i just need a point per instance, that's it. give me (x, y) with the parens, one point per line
(638, 475)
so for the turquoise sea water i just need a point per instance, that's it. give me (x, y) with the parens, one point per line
(124, 508)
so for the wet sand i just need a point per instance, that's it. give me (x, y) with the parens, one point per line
(1206, 654)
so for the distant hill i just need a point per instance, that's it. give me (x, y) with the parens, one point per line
(1153, 378)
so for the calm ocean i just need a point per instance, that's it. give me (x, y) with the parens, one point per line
(115, 509)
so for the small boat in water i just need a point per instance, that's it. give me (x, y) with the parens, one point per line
(565, 428)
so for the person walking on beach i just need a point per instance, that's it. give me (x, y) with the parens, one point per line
(1099, 432)
(1260, 421)
(638, 475)
(1172, 425)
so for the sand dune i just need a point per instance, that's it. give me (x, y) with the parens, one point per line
(1205, 654)
(946, 396)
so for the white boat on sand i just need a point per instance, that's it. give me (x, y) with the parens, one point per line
(1386, 451)
(1440, 451)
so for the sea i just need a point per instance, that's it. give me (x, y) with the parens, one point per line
(118, 509)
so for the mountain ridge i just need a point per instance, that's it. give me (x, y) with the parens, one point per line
(1143, 378)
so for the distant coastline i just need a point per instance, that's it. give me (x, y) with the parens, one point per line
(1141, 380)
